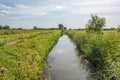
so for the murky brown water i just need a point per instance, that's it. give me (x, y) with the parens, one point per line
(64, 64)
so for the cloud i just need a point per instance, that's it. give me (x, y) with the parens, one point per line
(30, 11)
(95, 10)
(2, 6)
(21, 9)
(21, 6)
(4, 9)
(71, 8)
(60, 11)
(59, 7)
(89, 3)
(93, 7)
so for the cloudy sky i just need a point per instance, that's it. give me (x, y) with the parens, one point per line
(49, 13)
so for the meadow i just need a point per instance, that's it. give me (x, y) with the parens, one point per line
(23, 53)
(101, 50)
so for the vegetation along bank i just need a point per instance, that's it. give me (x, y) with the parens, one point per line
(25, 60)
(101, 50)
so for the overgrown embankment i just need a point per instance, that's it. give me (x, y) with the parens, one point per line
(101, 50)
(26, 60)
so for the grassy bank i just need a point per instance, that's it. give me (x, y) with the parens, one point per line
(26, 60)
(101, 50)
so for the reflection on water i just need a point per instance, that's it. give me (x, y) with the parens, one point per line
(64, 64)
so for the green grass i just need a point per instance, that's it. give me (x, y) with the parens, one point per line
(4, 39)
(9, 32)
(26, 60)
(101, 50)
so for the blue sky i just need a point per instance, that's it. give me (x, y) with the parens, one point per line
(49, 13)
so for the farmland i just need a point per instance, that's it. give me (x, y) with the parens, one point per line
(101, 50)
(23, 53)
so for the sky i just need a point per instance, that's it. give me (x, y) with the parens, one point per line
(49, 13)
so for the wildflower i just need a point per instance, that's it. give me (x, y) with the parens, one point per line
(27, 53)
(20, 62)
(2, 70)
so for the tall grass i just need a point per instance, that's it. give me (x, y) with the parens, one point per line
(4, 39)
(101, 50)
(26, 60)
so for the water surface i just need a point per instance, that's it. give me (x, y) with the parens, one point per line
(64, 64)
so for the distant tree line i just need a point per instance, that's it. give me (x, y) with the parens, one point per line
(94, 24)
(37, 28)
(7, 27)
(4, 27)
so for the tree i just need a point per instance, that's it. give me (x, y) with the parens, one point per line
(35, 28)
(61, 26)
(65, 28)
(6, 27)
(95, 23)
(112, 28)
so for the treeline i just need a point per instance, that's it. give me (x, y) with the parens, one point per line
(7, 27)
(102, 29)
(37, 28)
(4, 27)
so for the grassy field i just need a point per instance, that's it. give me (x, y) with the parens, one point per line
(9, 32)
(23, 53)
(101, 50)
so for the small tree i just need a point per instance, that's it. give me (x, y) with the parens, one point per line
(35, 28)
(61, 26)
(65, 28)
(95, 23)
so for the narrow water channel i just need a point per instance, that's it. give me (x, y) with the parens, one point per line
(64, 63)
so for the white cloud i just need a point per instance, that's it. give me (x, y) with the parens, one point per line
(89, 3)
(93, 7)
(21, 6)
(59, 7)
(63, 10)
(2, 6)
(95, 10)
(4, 9)
(21, 9)
(40, 13)
(30, 11)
